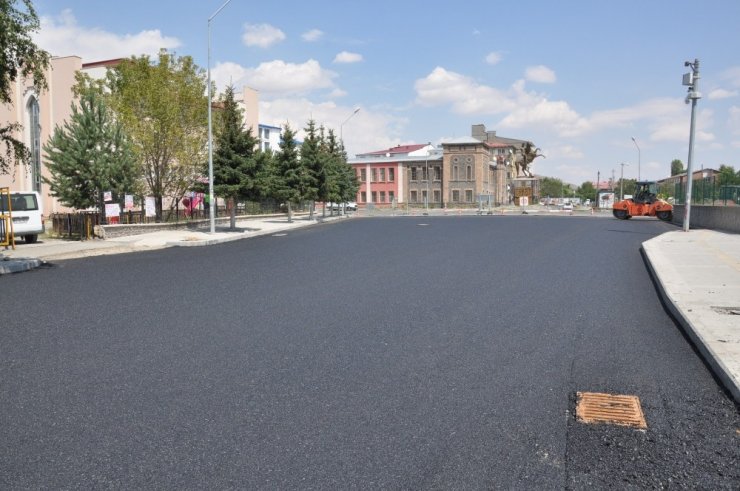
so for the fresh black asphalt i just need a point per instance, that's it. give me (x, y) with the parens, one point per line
(409, 352)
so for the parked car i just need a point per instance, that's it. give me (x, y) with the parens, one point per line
(567, 207)
(27, 214)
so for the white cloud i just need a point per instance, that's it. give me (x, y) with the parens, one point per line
(63, 36)
(261, 35)
(312, 35)
(718, 94)
(566, 152)
(347, 57)
(367, 130)
(493, 57)
(337, 93)
(732, 76)
(276, 77)
(734, 121)
(540, 74)
(464, 94)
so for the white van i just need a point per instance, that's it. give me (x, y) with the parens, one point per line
(27, 213)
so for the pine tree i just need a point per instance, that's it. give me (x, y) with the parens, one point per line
(90, 154)
(312, 165)
(234, 167)
(286, 178)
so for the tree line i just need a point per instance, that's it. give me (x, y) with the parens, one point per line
(143, 130)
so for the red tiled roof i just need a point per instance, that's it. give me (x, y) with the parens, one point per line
(95, 64)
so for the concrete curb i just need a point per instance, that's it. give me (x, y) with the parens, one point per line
(720, 370)
(18, 265)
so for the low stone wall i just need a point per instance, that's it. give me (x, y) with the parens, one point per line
(123, 230)
(725, 218)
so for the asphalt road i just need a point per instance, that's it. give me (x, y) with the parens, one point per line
(413, 352)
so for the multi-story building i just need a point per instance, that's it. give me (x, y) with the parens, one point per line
(383, 174)
(480, 169)
(39, 113)
(476, 170)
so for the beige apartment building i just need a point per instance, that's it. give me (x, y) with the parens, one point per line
(39, 114)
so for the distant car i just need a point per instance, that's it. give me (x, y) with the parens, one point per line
(567, 207)
(351, 206)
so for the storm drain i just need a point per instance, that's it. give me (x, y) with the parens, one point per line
(593, 407)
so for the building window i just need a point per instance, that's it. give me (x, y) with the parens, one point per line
(468, 195)
(373, 176)
(375, 197)
(437, 196)
(454, 173)
(424, 173)
(391, 197)
(363, 175)
(363, 197)
(437, 173)
(412, 196)
(391, 174)
(382, 197)
(382, 175)
(267, 146)
(455, 196)
(424, 197)
(34, 127)
(413, 173)
(265, 133)
(469, 173)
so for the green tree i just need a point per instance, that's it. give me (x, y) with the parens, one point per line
(163, 108)
(234, 166)
(285, 180)
(587, 191)
(313, 165)
(346, 178)
(676, 167)
(88, 155)
(552, 187)
(19, 57)
(727, 176)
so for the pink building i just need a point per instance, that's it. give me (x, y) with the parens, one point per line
(382, 174)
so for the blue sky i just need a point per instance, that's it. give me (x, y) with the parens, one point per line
(578, 78)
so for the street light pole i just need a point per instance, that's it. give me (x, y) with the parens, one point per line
(211, 198)
(691, 79)
(638, 158)
(341, 126)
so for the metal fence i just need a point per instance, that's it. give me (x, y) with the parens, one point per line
(81, 225)
(706, 191)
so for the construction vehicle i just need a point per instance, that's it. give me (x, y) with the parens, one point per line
(644, 203)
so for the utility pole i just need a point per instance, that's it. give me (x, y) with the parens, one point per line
(691, 80)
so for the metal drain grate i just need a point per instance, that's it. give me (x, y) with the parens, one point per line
(593, 407)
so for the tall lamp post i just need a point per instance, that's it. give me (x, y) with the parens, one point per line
(621, 182)
(211, 199)
(690, 79)
(638, 157)
(341, 126)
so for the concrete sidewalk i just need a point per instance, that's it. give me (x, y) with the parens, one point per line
(29, 256)
(698, 276)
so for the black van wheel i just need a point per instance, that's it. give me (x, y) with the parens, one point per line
(31, 239)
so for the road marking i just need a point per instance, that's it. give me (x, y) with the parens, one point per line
(279, 235)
